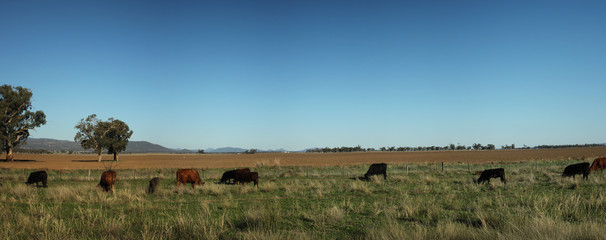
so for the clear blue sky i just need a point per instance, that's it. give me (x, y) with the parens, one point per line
(301, 74)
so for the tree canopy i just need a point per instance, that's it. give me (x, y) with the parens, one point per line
(88, 135)
(16, 119)
(116, 135)
(96, 134)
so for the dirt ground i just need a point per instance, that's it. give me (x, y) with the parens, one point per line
(206, 161)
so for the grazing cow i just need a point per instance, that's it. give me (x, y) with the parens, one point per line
(246, 177)
(153, 183)
(376, 169)
(185, 176)
(574, 169)
(599, 163)
(35, 177)
(108, 178)
(487, 174)
(231, 175)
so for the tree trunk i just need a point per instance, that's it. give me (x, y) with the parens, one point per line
(9, 154)
(99, 158)
(115, 157)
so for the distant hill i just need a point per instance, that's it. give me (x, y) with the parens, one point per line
(147, 147)
(54, 145)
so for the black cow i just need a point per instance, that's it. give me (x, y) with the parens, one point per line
(153, 183)
(230, 176)
(492, 173)
(35, 177)
(376, 169)
(574, 169)
(246, 177)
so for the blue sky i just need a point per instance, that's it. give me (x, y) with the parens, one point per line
(295, 75)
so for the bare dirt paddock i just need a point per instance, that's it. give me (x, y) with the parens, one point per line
(205, 161)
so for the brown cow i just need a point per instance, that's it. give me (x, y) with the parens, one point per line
(246, 177)
(108, 178)
(186, 176)
(598, 163)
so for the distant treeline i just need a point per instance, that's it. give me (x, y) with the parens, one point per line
(43, 151)
(36, 151)
(476, 146)
(358, 148)
(569, 146)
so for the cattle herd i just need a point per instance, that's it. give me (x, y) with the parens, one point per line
(244, 175)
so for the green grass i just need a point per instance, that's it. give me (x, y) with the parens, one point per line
(311, 203)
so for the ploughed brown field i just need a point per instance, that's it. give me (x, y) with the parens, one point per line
(205, 161)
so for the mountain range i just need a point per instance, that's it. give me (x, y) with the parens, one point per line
(54, 145)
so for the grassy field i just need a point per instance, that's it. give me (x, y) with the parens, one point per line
(417, 201)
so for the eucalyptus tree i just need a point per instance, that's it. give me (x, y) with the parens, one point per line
(16, 119)
(111, 135)
(115, 136)
(88, 134)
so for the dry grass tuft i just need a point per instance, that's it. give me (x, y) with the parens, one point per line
(268, 187)
(429, 180)
(376, 179)
(334, 215)
(214, 189)
(256, 234)
(260, 217)
(269, 163)
(360, 187)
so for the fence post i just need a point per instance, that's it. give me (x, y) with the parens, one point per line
(88, 174)
(442, 167)
(407, 169)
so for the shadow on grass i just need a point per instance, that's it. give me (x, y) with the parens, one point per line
(23, 160)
